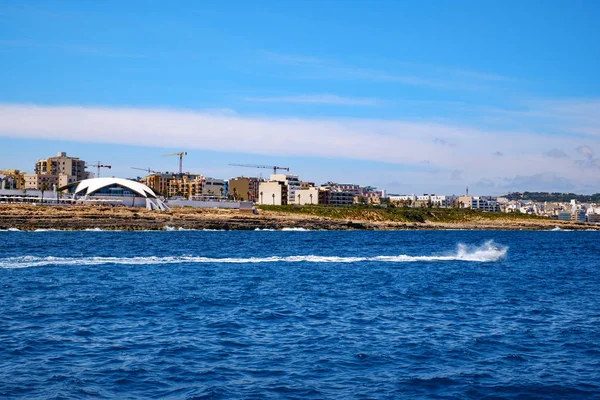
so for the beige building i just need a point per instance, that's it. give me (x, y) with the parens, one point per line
(41, 181)
(312, 195)
(62, 164)
(186, 185)
(213, 187)
(159, 183)
(245, 188)
(465, 201)
(273, 193)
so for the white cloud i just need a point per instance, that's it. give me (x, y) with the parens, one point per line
(398, 142)
(586, 151)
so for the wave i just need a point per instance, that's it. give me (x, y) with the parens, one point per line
(489, 252)
(283, 230)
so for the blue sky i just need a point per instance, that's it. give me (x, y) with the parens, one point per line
(413, 97)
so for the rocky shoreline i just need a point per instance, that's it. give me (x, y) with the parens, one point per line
(31, 218)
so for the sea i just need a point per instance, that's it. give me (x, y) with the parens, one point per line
(300, 315)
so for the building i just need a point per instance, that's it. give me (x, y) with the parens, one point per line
(444, 201)
(158, 182)
(341, 198)
(12, 179)
(214, 187)
(402, 199)
(594, 218)
(344, 187)
(114, 191)
(312, 195)
(185, 185)
(245, 188)
(578, 215)
(40, 181)
(465, 201)
(342, 194)
(564, 216)
(273, 193)
(291, 182)
(62, 164)
(484, 204)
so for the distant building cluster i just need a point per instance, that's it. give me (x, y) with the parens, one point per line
(62, 171)
(49, 173)
(563, 211)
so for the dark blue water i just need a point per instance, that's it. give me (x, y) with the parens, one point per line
(251, 315)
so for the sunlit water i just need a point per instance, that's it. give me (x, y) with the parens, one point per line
(447, 314)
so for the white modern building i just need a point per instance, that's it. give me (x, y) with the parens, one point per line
(114, 191)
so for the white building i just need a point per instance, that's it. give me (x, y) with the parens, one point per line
(292, 184)
(403, 198)
(307, 196)
(115, 191)
(272, 193)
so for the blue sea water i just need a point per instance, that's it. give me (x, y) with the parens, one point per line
(382, 315)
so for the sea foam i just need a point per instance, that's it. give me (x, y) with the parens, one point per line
(489, 252)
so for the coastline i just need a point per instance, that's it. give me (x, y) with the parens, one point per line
(31, 218)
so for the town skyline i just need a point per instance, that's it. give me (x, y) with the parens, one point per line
(395, 96)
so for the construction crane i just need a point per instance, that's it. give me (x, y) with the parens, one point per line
(180, 154)
(99, 165)
(274, 168)
(147, 170)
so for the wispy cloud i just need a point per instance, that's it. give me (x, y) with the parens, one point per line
(401, 73)
(394, 142)
(330, 99)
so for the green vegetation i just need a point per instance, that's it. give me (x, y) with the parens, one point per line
(396, 214)
(554, 197)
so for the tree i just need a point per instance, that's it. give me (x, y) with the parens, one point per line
(273, 198)
(43, 189)
(311, 198)
(221, 190)
(261, 198)
(299, 202)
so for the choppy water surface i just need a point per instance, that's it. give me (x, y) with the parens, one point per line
(455, 314)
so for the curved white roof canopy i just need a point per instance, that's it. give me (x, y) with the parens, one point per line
(90, 186)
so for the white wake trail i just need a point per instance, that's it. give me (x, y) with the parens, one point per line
(489, 252)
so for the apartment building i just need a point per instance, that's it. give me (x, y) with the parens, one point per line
(484, 204)
(185, 185)
(273, 193)
(292, 184)
(341, 198)
(214, 187)
(62, 164)
(41, 181)
(578, 215)
(159, 183)
(312, 195)
(344, 187)
(245, 188)
(403, 199)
